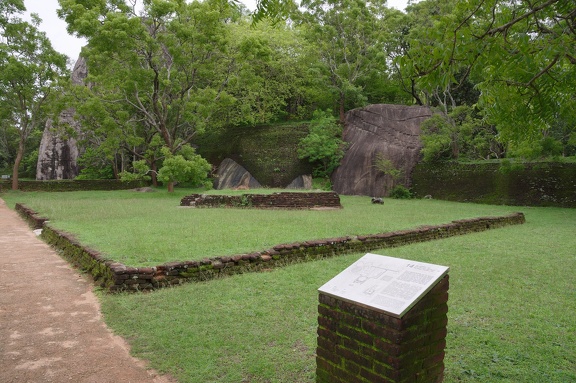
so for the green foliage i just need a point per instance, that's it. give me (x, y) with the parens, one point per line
(30, 72)
(386, 167)
(158, 76)
(547, 147)
(187, 166)
(276, 76)
(519, 55)
(349, 37)
(323, 145)
(400, 192)
(460, 134)
(30, 161)
(322, 184)
(140, 172)
(93, 166)
(508, 166)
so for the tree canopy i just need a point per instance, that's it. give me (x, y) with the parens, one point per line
(30, 71)
(520, 54)
(501, 74)
(349, 37)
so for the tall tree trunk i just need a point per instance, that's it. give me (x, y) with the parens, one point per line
(455, 146)
(115, 166)
(154, 174)
(17, 162)
(415, 93)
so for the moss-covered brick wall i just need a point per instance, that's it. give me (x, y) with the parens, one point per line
(531, 184)
(361, 345)
(115, 276)
(269, 153)
(72, 185)
(283, 200)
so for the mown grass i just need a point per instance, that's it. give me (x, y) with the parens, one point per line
(511, 306)
(148, 229)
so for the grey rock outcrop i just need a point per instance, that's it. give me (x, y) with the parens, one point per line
(57, 156)
(231, 175)
(58, 153)
(301, 182)
(389, 132)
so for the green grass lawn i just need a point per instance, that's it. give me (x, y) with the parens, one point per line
(148, 229)
(512, 298)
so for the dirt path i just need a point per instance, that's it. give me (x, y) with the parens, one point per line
(50, 324)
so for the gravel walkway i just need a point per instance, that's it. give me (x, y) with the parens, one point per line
(51, 329)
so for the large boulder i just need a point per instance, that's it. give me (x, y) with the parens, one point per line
(301, 182)
(231, 175)
(58, 153)
(379, 132)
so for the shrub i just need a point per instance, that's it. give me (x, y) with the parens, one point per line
(400, 192)
(323, 145)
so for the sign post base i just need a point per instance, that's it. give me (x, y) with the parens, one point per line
(358, 343)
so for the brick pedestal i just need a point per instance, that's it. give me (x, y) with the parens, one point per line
(361, 345)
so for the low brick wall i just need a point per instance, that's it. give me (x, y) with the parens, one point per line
(34, 220)
(360, 345)
(115, 276)
(283, 200)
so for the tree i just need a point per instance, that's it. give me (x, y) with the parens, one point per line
(407, 31)
(460, 134)
(187, 166)
(323, 145)
(521, 54)
(29, 73)
(277, 76)
(349, 36)
(159, 74)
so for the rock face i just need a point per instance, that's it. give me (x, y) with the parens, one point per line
(385, 132)
(301, 182)
(233, 176)
(58, 154)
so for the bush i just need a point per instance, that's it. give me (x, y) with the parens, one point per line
(322, 184)
(400, 192)
(323, 145)
(94, 165)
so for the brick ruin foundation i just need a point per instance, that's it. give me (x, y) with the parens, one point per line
(115, 276)
(283, 200)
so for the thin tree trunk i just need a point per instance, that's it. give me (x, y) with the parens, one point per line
(171, 187)
(17, 162)
(154, 174)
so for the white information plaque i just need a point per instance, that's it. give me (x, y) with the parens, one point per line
(390, 285)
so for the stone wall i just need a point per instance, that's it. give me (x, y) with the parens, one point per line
(283, 200)
(524, 184)
(73, 185)
(361, 345)
(115, 276)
